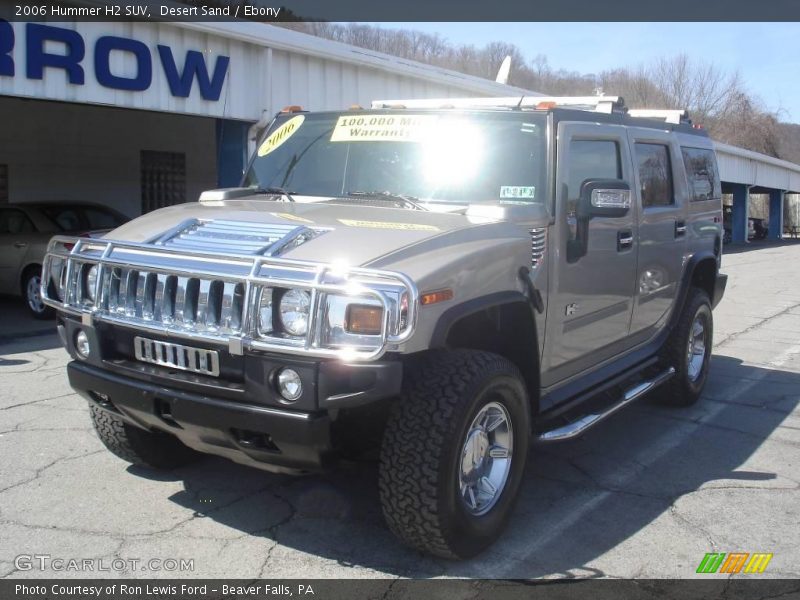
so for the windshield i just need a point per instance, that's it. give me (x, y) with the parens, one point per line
(455, 157)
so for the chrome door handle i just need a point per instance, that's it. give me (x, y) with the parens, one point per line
(624, 240)
(20, 244)
(680, 228)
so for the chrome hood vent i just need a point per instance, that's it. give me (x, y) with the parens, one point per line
(236, 237)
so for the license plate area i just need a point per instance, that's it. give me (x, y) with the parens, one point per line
(176, 356)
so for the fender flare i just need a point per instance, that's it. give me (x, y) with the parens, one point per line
(455, 313)
(686, 283)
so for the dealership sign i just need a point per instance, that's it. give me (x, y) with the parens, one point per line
(47, 47)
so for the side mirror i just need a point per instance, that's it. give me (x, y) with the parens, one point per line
(598, 198)
(604, 198)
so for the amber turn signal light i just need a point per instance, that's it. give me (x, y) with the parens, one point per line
(437, 296)
(363, 319)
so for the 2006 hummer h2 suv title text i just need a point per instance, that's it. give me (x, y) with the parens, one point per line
(447, 280)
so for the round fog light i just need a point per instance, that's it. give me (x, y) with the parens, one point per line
(82, 346)
(289, 385)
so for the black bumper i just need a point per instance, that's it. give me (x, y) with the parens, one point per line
(248, 434)
(240, 414)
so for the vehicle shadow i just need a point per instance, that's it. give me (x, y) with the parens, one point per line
(16, 323)
(30, 343)
(732, 248)
(580, 499)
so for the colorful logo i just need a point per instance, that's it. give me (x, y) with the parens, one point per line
(734, 562)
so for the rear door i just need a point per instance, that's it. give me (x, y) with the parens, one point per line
(660, 192)
(591, 297)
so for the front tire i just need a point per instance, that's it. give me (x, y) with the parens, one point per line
(138, 446)
(454, 452)
(689, 351)
(31, 291)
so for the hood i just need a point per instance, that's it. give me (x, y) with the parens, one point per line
(354, 235)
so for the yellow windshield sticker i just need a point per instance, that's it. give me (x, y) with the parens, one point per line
(280, 135)
(291, 217)
(387, 225)
(392, 128)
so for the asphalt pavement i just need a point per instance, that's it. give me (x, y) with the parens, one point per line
(645, 495)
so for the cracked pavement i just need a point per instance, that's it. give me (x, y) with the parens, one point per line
(646, 494)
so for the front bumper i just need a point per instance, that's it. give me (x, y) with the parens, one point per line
(247, 434)
(238, 415)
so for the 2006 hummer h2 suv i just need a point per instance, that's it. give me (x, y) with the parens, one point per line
(452, 279)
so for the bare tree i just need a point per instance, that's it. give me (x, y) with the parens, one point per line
(715, 98)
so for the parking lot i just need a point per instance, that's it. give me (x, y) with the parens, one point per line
(645, 495)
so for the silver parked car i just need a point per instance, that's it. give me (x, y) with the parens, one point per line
(25, 230)
(450, 280)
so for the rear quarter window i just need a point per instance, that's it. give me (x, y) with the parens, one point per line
(701, 174)
(98, 218)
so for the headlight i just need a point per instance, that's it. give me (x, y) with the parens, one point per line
(265, 312)
(294, 309)
(91, 283)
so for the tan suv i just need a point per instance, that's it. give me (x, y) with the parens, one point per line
(451, 280)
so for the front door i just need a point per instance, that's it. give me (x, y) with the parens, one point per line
(591, 296)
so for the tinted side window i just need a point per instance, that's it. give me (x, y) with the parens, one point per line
(655, 175)
(701, 171)
(15, 221)
(592, 159)
(66, 218)
(589, 159)
(101, 219)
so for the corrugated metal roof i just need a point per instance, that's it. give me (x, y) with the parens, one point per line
(737, 165)
(280, 38)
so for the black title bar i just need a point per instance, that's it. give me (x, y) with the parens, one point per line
(405, 10)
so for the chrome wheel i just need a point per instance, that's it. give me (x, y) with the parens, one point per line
(33, 294)
(696, 350)
(486, 459)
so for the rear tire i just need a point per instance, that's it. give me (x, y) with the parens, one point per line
(689, 351)
(31, 292)
(138, 446)
(460, 430)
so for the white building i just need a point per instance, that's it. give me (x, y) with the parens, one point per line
(141, 115)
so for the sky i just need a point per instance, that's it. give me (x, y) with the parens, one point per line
(767, 55)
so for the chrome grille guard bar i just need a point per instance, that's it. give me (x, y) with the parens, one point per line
(253, 272)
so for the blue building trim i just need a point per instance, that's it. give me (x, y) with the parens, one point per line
(741, 208)
(231, 151)
(776, 214)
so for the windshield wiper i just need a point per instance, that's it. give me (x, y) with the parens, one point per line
(275, 191)
(402, 200)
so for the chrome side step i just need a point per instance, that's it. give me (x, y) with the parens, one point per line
(578, 427)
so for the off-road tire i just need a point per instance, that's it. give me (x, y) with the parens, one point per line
(422, 444)
(681, 390)
(32, 276)
(145, 448)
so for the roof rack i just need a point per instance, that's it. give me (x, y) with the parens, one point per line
(669, 116)
(603, 104)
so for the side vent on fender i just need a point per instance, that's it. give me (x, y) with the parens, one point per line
(538, 240)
